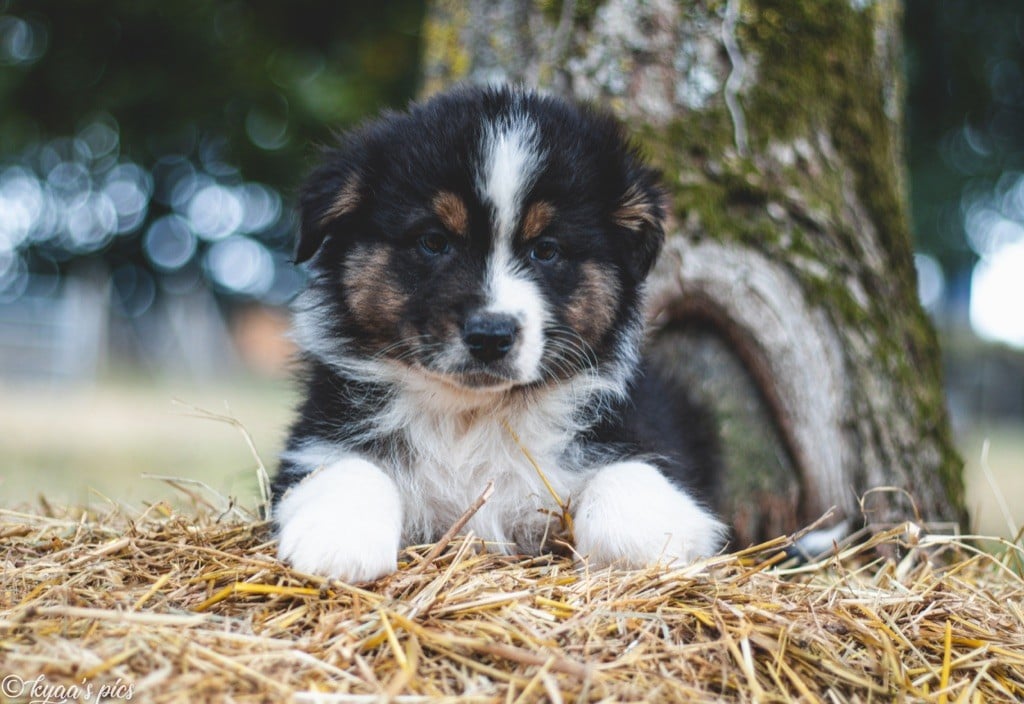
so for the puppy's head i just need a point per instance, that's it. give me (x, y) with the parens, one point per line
(488, 239)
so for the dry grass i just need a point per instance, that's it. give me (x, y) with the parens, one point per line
(193, 606)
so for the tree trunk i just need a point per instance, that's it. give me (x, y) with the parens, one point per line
(787, 291)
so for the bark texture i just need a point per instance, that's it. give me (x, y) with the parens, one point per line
(787, 290)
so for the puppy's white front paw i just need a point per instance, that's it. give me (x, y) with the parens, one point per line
(630, 515)
(343, 521)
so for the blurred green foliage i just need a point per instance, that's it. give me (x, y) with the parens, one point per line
(965, 119)
(268, 78)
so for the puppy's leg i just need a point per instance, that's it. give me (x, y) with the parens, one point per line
(342, 521)
(630, 515)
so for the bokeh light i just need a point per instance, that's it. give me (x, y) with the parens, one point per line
(997, 295)
(169, 243)
(13, 276)
(129, 187)
(931, 282)
(22, 41)
(241, 265)
(22, 203)
(267, 125)
(214, 211)
(78, 195)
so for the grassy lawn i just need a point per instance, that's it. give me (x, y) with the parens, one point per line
(993, 494)
(80, 445)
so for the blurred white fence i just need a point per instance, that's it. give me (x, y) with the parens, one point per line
(71, 332)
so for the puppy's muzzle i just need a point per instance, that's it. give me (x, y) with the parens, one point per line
(489, 336)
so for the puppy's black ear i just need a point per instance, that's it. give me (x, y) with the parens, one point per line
(641, 211)
(332, 195)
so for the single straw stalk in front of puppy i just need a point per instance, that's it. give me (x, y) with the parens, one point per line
(441, 544)
(565, 517)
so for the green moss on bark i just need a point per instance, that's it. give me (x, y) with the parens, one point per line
(817, 75)
(817, 68)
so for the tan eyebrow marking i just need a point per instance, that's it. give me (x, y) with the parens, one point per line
(452, 212)
(635, 210)
(346, 201)
(538, 216)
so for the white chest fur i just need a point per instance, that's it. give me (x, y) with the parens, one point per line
(453, 459)
(456, 443)
(444, 448)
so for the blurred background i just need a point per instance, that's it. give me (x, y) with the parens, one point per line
(149, 154)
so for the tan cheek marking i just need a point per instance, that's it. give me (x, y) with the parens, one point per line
(452, 212)
(345, 202)
(636, 210)
(372, 296)
(591, 310)
(538, 216)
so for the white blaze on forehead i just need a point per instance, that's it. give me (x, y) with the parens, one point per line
(511, 161)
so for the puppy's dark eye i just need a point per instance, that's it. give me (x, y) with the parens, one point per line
(434, 243)
(544, 251)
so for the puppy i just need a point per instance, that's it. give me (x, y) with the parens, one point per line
(476, 274)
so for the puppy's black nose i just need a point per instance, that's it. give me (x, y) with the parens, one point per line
(489, 336)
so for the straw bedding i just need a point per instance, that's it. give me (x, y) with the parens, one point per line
(191, 605)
